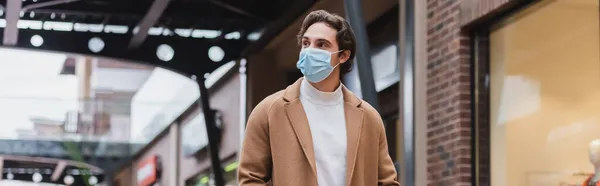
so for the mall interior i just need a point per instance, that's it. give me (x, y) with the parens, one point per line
(471, 92)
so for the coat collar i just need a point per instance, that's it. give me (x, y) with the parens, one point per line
(299, 122)
(292, 93)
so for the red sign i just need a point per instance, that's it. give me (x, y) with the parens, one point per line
(147, 171)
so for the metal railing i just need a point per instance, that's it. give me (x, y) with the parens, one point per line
(112, 119)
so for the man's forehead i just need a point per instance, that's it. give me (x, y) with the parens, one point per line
(320, 31)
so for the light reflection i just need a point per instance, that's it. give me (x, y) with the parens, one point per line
(233, 35)
(122, 29)
(205, 33)
(519, 97)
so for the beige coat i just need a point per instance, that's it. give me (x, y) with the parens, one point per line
(278, 145)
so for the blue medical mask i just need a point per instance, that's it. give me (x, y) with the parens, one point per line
(315, 64)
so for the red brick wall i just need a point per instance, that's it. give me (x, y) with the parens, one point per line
(475, 9)
(449, 96)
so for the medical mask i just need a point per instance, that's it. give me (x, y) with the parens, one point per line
(315, 64)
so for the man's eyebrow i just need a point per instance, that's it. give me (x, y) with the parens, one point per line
(324, 40)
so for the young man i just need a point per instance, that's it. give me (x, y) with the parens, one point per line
(316, 132)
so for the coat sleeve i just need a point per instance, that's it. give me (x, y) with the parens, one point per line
(387, 171)
(255, 162)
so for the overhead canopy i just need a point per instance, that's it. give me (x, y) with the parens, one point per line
(174, 34)
(48, 170)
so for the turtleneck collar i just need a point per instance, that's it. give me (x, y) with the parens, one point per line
(316, 96)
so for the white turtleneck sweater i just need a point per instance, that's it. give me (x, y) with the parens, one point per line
(325, 113)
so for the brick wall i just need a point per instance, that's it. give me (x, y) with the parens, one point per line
(449, 96)
(475, 9)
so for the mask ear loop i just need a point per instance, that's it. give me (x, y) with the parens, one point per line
(338, 62)
(336, 65)
(336, 52)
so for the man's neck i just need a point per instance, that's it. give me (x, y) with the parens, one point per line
(329, 84)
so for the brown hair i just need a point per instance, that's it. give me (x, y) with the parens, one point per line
(345, 35)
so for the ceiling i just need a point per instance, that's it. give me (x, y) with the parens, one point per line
(138, 30)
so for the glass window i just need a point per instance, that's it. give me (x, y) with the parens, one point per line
(545, 94)
(193, 135)
(162, 99)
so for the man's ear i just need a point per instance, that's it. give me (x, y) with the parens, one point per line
(344, 56)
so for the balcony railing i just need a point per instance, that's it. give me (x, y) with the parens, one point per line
(116, 119)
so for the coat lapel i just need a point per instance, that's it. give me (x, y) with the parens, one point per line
(297, 118)
(354, 123)
(299, 121)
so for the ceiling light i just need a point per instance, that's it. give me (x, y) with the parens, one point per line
(37, 40)
(165, 52)
(96, 45)
(93, 180)
(216, 54)
(37, 177)
(69, 179)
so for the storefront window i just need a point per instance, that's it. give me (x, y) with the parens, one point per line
(545, 94)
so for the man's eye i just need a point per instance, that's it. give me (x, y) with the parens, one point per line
(305, 44)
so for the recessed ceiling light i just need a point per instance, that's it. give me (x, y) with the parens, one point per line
(96, 45)
(216, 53)
(69, 180)
(37, 40)
(37, 177)
(165, 52)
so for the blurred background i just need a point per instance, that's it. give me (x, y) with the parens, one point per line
(157, 92)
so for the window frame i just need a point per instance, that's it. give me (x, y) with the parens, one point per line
(480, 73)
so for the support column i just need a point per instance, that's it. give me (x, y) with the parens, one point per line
(243, 103)
(87, 108)
(407, 96)
(420, 61)
(363, 52)
(83, 71)
(173, 139)
(213, 132)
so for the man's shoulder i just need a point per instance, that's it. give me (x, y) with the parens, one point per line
(371, 113)
(369, 110)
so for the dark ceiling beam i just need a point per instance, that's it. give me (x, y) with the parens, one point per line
(236, 9)
(83, 13)
(276, 27)
(46, 4)
(11, 32)
(185, 60)
(149, 20)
